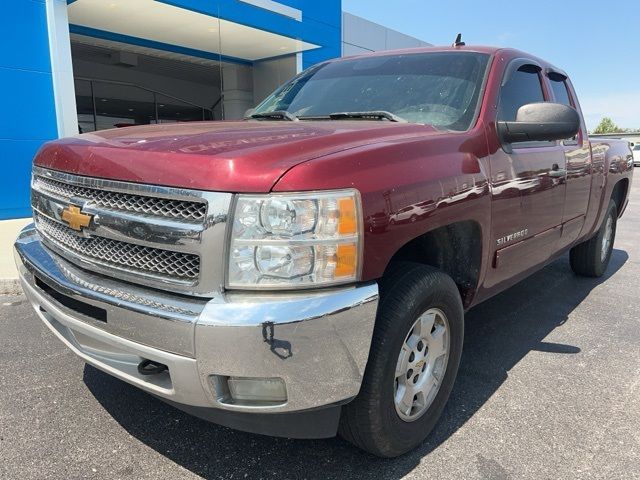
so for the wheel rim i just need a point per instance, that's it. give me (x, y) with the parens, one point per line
(606, 240)
(421, 365)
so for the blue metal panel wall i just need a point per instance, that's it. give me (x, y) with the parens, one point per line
(325, 19)
(26, 95)
(321, 22)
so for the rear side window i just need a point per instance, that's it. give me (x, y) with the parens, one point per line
(522, 88)
(560, 90)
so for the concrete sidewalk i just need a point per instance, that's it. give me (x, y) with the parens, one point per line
(9, 230)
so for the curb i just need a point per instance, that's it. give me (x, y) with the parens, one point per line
(10, 286)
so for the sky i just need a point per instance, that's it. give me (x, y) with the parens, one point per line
(596, 43)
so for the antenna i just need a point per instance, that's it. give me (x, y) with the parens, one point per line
(458, 42)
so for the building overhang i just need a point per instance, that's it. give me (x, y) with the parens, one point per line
(268, 29)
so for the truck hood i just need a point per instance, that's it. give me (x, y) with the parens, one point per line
(241, 156)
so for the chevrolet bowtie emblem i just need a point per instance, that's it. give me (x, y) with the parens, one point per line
(75, 218)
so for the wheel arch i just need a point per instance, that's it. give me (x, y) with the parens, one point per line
(619, 194)
(456, 249)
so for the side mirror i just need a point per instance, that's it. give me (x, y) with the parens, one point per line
(541, 122)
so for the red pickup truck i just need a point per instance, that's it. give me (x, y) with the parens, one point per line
(305, 271)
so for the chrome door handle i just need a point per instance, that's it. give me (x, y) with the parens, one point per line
(557, 172)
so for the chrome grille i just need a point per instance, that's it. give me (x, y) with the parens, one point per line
(162, 237)
(122, 255)
(162, 207)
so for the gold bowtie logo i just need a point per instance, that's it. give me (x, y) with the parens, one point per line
(75, 218)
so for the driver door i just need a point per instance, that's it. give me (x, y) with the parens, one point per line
(527, 184)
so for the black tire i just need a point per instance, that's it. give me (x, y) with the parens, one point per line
(371, 421)
(586, 257)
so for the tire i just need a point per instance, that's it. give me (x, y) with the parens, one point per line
(372, 421)
(591, 257)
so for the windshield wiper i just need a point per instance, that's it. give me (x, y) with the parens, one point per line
(375, 114)
(276, 115)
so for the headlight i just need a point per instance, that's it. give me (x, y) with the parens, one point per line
(281, 241)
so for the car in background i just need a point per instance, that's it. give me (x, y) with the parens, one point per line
(636, 155)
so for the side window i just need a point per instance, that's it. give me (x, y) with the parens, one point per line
(522, 88)
(561, 95)
(560, 90)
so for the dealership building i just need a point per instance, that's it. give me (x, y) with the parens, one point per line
(77, 66)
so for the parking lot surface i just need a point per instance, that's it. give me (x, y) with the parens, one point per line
(549, 387)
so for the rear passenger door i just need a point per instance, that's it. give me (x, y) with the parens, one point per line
(578, 160)
(528, 183)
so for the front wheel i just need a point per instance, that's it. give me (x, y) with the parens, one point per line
(414, 358)
(591, 258)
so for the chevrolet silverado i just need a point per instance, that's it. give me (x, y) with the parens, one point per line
(305, 271)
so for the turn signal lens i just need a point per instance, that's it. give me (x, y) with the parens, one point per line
(297, 240)
(348, 222)
(346, 260)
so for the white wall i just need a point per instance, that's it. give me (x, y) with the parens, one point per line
(270, 74)
(237, 86)
(362, 36)
(60, 52)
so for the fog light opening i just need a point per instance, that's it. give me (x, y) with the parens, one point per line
(253, 391)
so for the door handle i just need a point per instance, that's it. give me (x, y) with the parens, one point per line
(557, 172)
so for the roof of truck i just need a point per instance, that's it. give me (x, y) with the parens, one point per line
(510, 52)
(465, 48)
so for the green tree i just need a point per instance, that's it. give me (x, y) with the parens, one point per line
(607, 126)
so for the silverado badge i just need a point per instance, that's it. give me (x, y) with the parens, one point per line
(75, 218)
(513, 236)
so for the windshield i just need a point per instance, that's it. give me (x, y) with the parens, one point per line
(438, 88)
(637, 147)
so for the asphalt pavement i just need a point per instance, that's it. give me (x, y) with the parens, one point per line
(549, 387)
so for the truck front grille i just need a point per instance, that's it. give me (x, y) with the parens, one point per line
(148, 205)
(121, 255)
(156, 236)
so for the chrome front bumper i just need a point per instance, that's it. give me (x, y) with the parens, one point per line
(317, 342)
